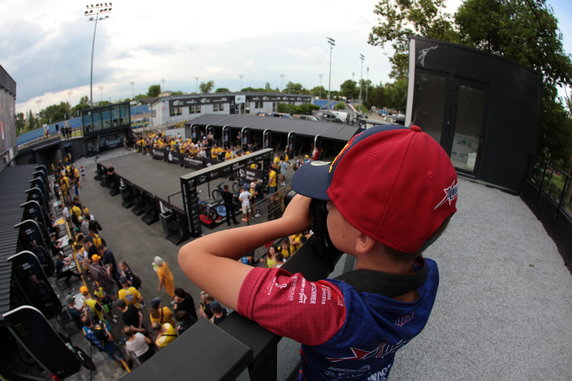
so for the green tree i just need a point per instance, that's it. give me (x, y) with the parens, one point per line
(340, 106)
(154, 91)
(55, 113)
(294, 88)
(376, 97)
(206, 87)
(395, 94)
(82, 105)
(399, 19)
(349, 89)
(319, 91)
(267, 87)
(20, 123)
(222, 90)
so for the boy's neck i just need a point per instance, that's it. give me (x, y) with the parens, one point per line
(385, 264)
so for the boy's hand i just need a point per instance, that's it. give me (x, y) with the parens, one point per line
(297, 214)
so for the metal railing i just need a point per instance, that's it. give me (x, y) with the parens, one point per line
(548, 193)
(554, 183)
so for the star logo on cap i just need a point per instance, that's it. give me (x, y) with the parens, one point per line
(451, 193)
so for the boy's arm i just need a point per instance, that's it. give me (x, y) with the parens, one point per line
(210, 261)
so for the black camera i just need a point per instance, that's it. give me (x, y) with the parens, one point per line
(318, 217)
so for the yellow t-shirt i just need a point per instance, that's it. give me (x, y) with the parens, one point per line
(91, 304)
(130, 296)
(165, 316)
(166, 337)
(76, 210)
(272, 179)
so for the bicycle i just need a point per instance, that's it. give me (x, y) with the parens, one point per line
(235, 188)
(212, 211)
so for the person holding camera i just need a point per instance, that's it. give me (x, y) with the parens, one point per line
(350, 326)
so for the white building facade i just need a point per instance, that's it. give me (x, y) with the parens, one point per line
(168, 111)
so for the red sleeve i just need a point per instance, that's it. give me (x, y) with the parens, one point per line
(289, 305)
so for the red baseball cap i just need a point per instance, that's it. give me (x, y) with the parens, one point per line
(393, 183)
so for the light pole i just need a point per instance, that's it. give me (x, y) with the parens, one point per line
(361, 57)
(94, 12)
(132, 93)
(366, 81)
(100, 93)
(332, 43)
(197, 85)
(240, 83)
(281, 82)
(320, 75)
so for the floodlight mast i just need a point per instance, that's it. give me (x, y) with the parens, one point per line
(94, 12)
(332, 43)
(361, 57)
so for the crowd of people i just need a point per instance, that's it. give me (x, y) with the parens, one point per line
(111, 292)
(205, 148)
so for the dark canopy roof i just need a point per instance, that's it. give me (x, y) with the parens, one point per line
(13, 183)
(311, 128)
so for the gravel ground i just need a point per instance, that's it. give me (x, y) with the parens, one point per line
(504, 303)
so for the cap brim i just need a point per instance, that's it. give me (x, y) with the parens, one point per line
(312, 180)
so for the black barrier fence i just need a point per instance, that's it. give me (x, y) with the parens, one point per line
(548, 193)
(226, 169)
(181, 159)
(143, 203)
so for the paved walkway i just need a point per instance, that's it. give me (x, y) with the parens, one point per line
(502, 311)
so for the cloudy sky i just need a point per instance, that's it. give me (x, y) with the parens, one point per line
(46, 45)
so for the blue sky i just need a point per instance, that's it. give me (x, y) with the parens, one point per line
(46, 45)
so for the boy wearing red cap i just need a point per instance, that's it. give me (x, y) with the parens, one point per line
(352, 326)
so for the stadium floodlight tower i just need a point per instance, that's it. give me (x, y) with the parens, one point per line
(361, 57)
(95, 12)
(332, 43)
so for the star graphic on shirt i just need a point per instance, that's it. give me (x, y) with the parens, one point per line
(359, 354)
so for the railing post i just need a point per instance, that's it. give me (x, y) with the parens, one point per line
(265, 369)
(540, 188)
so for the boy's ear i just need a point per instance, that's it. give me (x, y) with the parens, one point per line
(364, 243)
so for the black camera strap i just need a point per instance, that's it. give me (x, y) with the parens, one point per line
(390, 285)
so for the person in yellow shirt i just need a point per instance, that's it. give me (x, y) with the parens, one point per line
(94, 306)
(166, 333)
(160, 314)
(164, 275)
(287, 250)
(76, 210)
(129, 294)
(272, 181)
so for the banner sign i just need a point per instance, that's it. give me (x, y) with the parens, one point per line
(278, 98)
(199, 101)
(158, 154)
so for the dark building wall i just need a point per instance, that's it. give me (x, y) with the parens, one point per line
(508, 140)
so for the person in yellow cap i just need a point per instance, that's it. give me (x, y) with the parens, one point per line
(93, 305)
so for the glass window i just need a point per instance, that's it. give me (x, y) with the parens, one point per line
(97, 126)
(258, 105)
(429, 108)
(106, 118)
(471, 111)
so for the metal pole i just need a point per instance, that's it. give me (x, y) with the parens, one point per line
(320, 75)
(332, 43)
(366, 79)
(330, 77)
(92, 49)
(361, 57)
